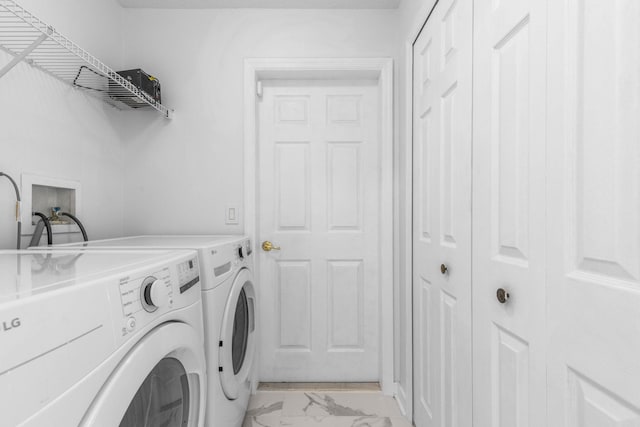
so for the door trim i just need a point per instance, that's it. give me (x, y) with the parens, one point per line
(380, 69)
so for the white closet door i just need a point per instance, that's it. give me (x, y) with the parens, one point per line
(442, 217)
(594, 214)
(509, 213)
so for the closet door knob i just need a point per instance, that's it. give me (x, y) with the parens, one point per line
(443, 269)
(502, 295)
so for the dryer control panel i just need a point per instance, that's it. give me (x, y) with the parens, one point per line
(244, 249)
(222, 262)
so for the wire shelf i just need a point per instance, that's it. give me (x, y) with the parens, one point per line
(28, 39)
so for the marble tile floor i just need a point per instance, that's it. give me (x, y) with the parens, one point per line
(311, 408)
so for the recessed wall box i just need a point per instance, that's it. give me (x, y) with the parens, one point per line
(41, 194)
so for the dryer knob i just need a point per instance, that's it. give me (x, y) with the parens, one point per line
(154, 294)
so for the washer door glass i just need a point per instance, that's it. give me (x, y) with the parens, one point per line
(162, 399)
(240, 333)
(237, 336)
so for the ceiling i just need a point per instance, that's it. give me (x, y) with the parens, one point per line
(261, 4)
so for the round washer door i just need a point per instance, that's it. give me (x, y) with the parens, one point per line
(161, 382)
(238, 335)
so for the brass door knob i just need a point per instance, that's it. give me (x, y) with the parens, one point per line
(443, 269)
(267, 246)
(502, 295)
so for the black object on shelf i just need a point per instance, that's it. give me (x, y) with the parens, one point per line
(146, 83)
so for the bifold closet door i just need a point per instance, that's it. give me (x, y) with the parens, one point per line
(509, 385)
(594, 214)
(442, 90)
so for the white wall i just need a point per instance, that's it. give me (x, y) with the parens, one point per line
(413, 14)
(184, 172)
(49, 129)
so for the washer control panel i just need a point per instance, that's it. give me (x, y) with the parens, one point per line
(136, 292)
(147, 295)
(188, 274)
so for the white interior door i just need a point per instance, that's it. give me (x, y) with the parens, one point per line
(442, 217)
(594, 214)
(509, 213)
(319, 193)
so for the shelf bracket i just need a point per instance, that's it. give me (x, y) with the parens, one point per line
(22, 55)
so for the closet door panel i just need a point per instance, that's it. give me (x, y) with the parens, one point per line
(509, 213)
(426, 115)
(510, 147)
(594, 211)
(442, 217)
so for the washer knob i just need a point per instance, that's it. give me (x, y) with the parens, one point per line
(154, 294)
(131, 323)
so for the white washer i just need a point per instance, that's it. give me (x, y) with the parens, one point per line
(101, 338)
(229, 305)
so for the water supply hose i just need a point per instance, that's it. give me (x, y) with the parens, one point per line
(18, 205)
(77, 221)
(37, 234)
(35, 240)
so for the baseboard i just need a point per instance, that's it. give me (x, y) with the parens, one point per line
(319, 386)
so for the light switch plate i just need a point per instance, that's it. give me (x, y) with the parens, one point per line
(232, 215)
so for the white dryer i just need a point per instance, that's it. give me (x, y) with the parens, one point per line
(101, 338)
(229, 305)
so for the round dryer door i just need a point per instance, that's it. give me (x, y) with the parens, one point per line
(238, 335)
(160, 382)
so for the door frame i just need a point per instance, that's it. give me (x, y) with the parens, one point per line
(380, 69)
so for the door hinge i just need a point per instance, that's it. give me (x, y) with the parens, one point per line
(259, 89)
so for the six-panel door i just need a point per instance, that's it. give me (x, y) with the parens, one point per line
(319, 195)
